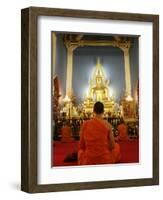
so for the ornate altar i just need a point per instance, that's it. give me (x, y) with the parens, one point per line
(128, 110)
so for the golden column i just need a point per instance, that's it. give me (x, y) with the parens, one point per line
(70, 49)
(126, 49)
(54, 40)
(127, 72)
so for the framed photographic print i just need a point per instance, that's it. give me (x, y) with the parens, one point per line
(90, 100)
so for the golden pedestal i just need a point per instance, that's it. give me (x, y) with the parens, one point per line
(89, 104)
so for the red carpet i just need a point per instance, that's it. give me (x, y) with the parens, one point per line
(129, 152)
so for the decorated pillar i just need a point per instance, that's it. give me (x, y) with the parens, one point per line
(126, 47)
(54, 41)
(69, 71)
(128, 104)
(70, 49)
(127, 72)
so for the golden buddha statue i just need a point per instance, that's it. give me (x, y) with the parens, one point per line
(98, 90)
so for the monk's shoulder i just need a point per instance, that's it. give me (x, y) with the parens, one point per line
(109, 126)
(85, 123)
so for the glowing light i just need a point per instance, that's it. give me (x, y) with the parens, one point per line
(66, 99)
(111, 92)
(86, 92)
(129, 98)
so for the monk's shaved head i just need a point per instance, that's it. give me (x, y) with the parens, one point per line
(98, 108)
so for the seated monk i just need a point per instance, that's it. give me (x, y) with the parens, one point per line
(122, 131)
(97, 145)
(66, 133)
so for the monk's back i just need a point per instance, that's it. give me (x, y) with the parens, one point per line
(96, 145)
(96, 138)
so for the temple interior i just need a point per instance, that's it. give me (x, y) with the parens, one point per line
(90, 68)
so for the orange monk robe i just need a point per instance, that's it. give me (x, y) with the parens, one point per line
(66, 134)
(94, 144)
(122, 132)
